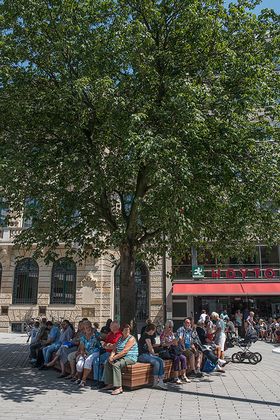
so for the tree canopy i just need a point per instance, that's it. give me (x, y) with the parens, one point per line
(140, 123)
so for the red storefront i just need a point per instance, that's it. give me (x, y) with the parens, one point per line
(252, 285)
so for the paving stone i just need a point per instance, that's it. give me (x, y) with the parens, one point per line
(245, 392)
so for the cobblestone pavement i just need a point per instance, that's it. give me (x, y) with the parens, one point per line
(244, 392)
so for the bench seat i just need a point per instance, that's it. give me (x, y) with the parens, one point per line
(141, 374)
(137, 375)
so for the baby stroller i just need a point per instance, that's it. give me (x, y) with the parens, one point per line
(245, 344)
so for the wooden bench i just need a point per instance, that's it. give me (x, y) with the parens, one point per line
(141, 374)
(137, 375)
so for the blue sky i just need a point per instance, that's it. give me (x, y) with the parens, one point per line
(270, 4)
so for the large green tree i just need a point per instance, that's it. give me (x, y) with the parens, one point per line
(139, 125)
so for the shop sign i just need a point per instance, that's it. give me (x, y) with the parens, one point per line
(198, 271)
(232, 273)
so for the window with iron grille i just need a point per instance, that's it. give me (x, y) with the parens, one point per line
(26, 282)
(63, 286)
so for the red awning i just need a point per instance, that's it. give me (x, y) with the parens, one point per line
(226, 289)
(261, 288)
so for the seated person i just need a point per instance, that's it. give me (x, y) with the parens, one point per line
(74, 353)
(262, 329)
(88, 351)
(105, 329)
(179, 362)
(277, 332)
(33, 335)
(169, 342)
(201, 332)
(207, 350)
(193, 355)
(57, 337)
(65, 349)
(147, 355)
(41, 338)
(143, 329)
(53, 336)
(96, 326)
(124, 353)
(108, 344)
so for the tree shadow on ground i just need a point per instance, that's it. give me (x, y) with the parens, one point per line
(24, 384)
(19, 382)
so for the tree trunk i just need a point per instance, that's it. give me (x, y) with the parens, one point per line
(127, 286)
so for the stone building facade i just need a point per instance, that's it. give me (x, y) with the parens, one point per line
(94, 281)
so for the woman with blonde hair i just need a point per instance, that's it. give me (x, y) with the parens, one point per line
(170, 344)
(220, 336)
(167, 335)
(88, 351)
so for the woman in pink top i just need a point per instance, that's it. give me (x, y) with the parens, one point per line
(167, 335)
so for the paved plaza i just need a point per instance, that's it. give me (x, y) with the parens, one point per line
(244, 392)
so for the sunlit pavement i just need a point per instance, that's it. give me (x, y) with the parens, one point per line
(244, 392)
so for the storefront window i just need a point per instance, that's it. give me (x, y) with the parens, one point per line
(179, 309)
(263, 306)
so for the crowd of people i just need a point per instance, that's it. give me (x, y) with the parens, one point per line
(194, 349)
(268, 330)
(238, 323)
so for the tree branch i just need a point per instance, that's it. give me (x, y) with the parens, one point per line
(147, 236)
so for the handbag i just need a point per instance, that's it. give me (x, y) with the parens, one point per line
(208, 366)
(175, 351)
(165, 354)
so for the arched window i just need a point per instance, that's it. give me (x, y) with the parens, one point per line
(63, 287)
(141, 293)
(26, 282)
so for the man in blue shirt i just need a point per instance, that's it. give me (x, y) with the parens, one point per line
(193, 355)
(53, 343)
